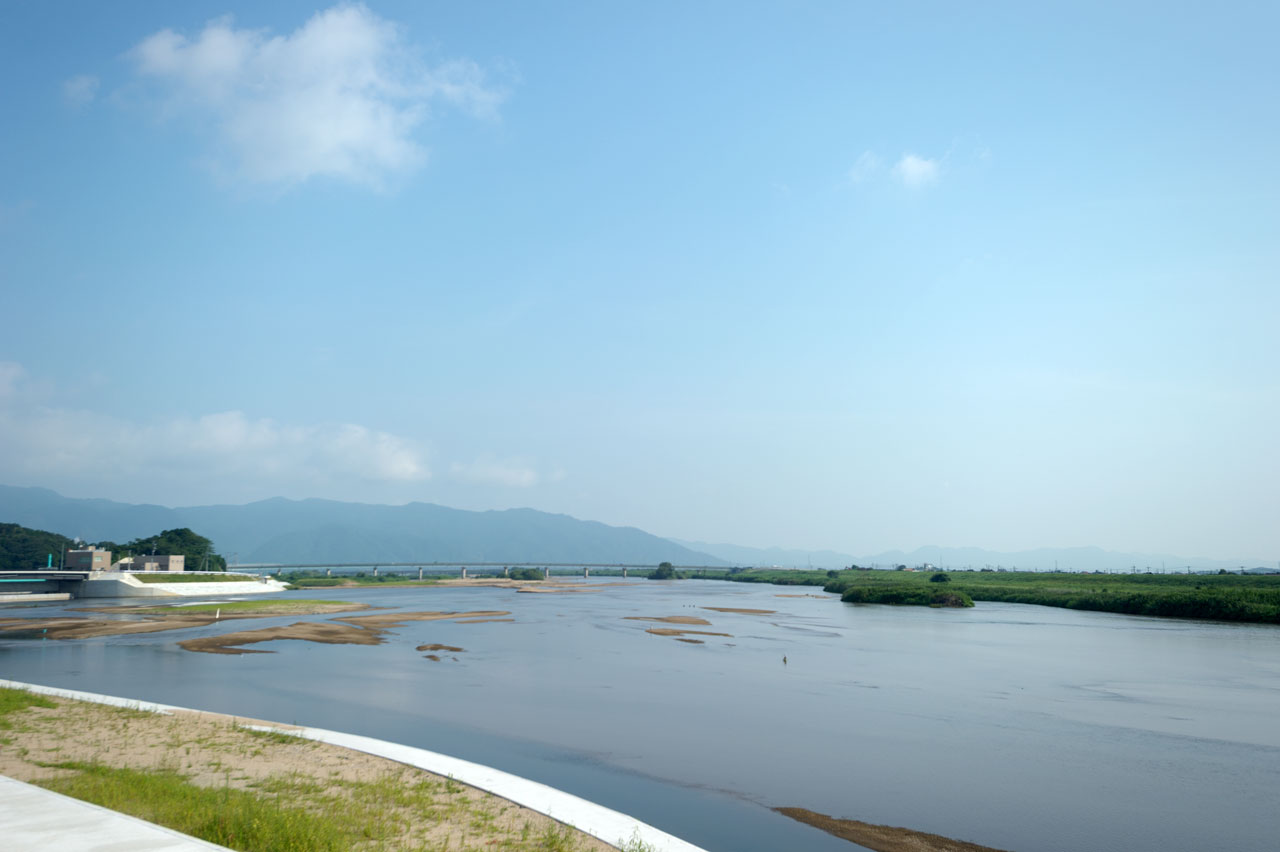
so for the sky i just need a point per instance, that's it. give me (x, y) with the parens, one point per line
(823, 275)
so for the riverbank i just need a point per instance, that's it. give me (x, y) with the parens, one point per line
(155, 619)
(262, 786)
(1217, 597)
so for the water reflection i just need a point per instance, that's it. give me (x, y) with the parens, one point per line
(1018, 727)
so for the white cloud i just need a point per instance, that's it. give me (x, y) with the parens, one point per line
(915, 172)
(42, 442)
(342, 96)
(80, 90)
(866, 165)
(488, 470)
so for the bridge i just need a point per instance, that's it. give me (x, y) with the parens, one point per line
(461, 567)
(39, 584)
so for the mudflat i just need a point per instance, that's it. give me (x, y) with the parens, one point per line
(154, 619)
(882, 838)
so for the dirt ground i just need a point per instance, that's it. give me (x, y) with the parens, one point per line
(882, 838)
(216, 751)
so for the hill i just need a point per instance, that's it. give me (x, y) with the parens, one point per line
(293, 531)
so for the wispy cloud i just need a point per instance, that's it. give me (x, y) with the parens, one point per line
(80, 90)
(487, 470)
(42, 442)
(342, 96)
(866, 166)
(915, 171)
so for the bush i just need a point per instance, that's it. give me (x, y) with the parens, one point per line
(665, 571)
(939, 578)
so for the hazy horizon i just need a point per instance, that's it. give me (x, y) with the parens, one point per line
(828, 278)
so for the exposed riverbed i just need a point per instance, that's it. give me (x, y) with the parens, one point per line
(1017, 727)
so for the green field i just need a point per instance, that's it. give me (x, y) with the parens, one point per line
(183, 577)
(1221, 597)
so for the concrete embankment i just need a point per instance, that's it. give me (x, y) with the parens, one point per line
(113, 584)
(600, 822)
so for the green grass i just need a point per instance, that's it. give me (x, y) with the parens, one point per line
(183, 577)
(310, 580)
(233, 818)
(234, 607)
(1221, 597)
(13, 700)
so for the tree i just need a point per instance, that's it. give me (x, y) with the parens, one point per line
(198, 550)
(664, 571)
(940, 578)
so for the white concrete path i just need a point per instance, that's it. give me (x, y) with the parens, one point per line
(596, 820)
(33, 819)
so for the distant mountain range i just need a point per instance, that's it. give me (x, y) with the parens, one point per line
(318, 531)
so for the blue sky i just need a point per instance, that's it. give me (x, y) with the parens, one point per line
(825, 275)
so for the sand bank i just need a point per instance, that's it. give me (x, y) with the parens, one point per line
(882, 838)
(669, 619)
(153, 619)
(671, 631)
(357, 630)
(421, 809)
(741, 611)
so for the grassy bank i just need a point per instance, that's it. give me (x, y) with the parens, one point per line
(183, 577)
(1221, 597)
(207, 776)
(316, 580)
(273, 606)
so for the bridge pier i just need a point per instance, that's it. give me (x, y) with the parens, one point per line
(586, 572)
(624, 573)
(506, 571)
(464, 573)
(375, 570)
(419, 573)
(546, 573)
(328, 572)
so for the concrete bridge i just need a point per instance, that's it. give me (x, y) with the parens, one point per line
(503, 568)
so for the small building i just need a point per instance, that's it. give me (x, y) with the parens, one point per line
(88, 559)
(152, 562)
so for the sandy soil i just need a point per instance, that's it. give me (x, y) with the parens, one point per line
(436, 646)
(214, 751)
(882, 838)
(387, 620)
(671, 631)
(669, 619)
(149, 620)
(325, 632)
(741, 611)
(819, 597)
(357, 630)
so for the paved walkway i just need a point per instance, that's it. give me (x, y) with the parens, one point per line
(38, 820)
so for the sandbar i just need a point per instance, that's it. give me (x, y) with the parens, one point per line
(882, 838)
(741, 611)
(669, 619)
(154, 619)
(387, 620)
(671, 631)
(326, 632)
(435, 646)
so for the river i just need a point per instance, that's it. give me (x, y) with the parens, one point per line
(1020, 727)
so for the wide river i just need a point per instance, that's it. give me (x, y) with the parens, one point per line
(1019, 727)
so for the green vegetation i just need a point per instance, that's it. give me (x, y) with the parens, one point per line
(282, 606)
(13, 700)
(234, 818)
(198, 550)
(526, 574)
(1222, 597)
(183, 577)
(664, 571)
(317, 580)
(24, 549)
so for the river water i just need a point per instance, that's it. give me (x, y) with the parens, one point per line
(1019, 727)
